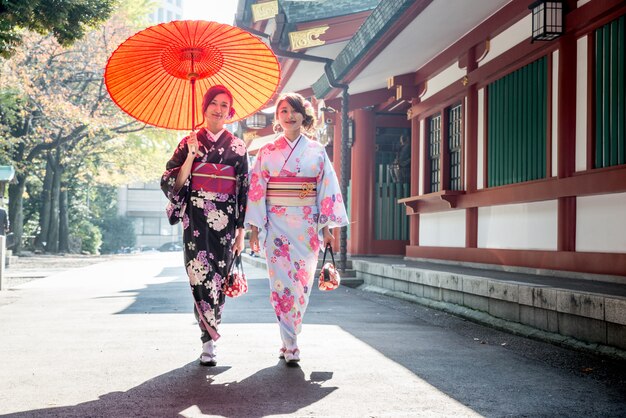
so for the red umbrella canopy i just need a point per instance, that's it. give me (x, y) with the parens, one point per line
(159, 75)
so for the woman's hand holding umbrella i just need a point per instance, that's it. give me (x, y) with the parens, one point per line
(185, 168)
(192, 145)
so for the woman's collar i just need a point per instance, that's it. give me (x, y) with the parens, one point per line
(214, 137)
(293, 143)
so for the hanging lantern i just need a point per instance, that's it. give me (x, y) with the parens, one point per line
(325, 134)
(547, 20)
(256, 121)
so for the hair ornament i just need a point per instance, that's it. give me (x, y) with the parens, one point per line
(308, 108)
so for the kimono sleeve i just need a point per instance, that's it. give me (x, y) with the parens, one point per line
(243, 186)
(256, 212)
(177, 199)
(332, 211)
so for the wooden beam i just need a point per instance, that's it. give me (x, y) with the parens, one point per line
(590, 183)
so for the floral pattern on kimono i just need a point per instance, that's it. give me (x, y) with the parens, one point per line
(209, 222)
(290, 236)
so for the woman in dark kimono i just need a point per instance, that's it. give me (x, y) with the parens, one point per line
(206, 183)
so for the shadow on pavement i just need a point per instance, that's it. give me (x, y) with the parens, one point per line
(191, 391)
(175, 297)
(170, 297)
(496, 374)
(488, 378)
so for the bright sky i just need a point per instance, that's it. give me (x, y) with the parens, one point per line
(222, 11)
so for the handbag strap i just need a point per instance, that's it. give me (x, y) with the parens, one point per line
(235, 263)
(239, 264)
(332, 256)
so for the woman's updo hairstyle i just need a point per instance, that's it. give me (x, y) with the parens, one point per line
(300, 105)
(210, 95)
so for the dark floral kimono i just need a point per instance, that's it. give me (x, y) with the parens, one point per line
(209, 218)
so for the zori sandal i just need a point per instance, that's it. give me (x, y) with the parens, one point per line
(292, 356)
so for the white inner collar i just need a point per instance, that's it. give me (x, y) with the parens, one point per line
(293, 143)
(214, 137)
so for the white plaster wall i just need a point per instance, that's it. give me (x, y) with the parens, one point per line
(443, 229)
(531, 226)
(555, 111)
(480, 161)
(581, 104)
(146, 200)
(581, 2)
(512, 36)
(443, 79)
(601, 223)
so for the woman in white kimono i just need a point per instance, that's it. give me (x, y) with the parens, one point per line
(293, 203)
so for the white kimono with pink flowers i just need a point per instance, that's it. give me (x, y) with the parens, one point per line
(291, 235)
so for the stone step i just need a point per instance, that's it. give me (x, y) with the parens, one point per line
(585, 312)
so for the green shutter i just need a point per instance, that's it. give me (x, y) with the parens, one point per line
(610, 97)
(434, 149)
(390, 220)
(516, 129)
(455, 140)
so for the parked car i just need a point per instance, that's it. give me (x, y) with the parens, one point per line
(124, 250)
(171, 246)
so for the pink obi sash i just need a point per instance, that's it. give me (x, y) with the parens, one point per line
(209, 177)
(292, 191)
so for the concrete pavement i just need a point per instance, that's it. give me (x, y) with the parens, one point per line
(118, 339)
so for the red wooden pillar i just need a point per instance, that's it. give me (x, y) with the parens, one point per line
(337, 147)
(362, 175)
(471, 150)
(566, 145)
(337, 167)
(414, 220)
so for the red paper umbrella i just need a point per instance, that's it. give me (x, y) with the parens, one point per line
(154, 75)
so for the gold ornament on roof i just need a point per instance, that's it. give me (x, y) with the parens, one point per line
(265, 10)
(307, 38)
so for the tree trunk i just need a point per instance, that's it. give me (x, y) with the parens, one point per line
(44, 212)
(64, 230)
(16, 213)
(52, 241)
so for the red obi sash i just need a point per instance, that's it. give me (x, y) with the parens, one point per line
(209, 177)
